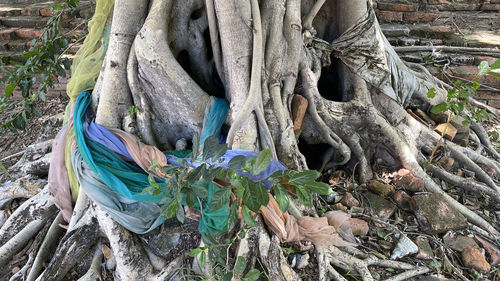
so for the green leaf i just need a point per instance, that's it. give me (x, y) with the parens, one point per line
(431, 93)
(252, 275)
(483, 68)
(319, 187)
(233, 216)
(170, 210)
(466, 123)
(304, 177)
(60, 71)
(438, 108)
(19, 122)
(236, 161)
(10, 89)
(255, 195)
(148, 189)
(195, 174)
(262, 162)
(247, 216)
(203, 259)
(248, 165)
(194, 252)
(227, 277)
(496, 74)
(152, 182)
(221, 174)
(29, 54)
(196, 146)
(304, 196)
(496, 64)
(239, 191)
(66, 63)
(200, 191)
(212, 149)
(276, 176)
(190, 198)
(220, 198)
(181, 216)
(281, 196)
(241, 264)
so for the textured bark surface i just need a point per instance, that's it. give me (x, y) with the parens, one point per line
(167, 57)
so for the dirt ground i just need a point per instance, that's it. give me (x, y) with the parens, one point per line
(42, 128)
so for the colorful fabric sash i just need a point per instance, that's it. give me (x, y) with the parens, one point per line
(112, 169)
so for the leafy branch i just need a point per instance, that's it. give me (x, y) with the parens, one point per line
(44, 61)
(457, 99)
(184, 183)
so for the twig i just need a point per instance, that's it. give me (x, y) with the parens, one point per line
(466, 50)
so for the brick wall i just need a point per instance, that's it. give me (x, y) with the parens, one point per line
(466, 23)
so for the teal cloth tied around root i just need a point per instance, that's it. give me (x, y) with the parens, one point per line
(116, 184)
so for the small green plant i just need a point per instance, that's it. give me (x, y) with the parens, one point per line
(184, 186)
(437, 265)
(457, 99)
(44, 61)
(132, 110)
(184, 182)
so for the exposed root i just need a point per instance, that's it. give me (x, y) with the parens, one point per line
(81, 206)
(38, 208)
(94, 272)
(143, 115)
(355, 260)
(467, 184)
(22, 273)
(16, 243)
(214, 37)
(485, 140)
(132, 262)
(173, 268)
(48, 245)
(272, 256)
(469, 164)
(74, 245)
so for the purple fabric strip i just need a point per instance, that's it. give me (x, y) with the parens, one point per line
(102, 135)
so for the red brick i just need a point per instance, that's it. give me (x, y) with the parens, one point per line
(490, 7)
(46, 12)
(29, 33)
(389, 16)
(487, 95)
(31, 11)
(299, 108)
(494, 103)
(8, 34)
(420, 17)
(469, 72)
(431, 42)
(479, 59)
(396, 7)
(435, 2)
(441, 29)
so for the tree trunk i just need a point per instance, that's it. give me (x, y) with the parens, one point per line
(167, 57)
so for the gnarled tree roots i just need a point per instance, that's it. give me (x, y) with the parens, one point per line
(168, 57)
